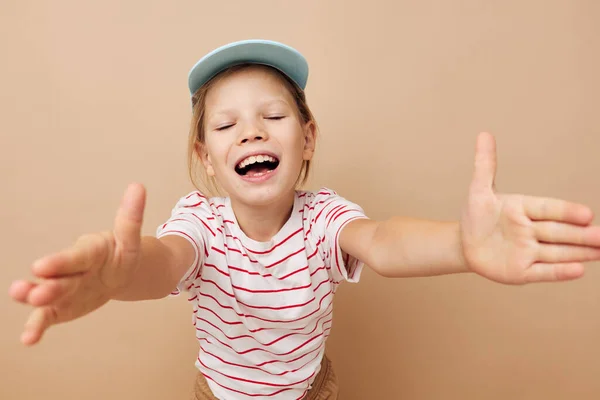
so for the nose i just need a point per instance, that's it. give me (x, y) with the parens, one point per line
(251, 133)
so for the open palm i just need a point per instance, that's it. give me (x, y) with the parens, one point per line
(83, 277)
(517, 239)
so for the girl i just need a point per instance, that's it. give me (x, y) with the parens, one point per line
(261, 265)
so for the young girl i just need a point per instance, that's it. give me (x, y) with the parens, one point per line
(261, 265)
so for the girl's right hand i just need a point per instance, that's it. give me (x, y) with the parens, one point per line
(82, 278)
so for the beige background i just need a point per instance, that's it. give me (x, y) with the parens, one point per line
(93, 95)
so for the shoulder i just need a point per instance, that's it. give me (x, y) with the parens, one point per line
(318, 197)
(325, 205)
(200, 209)
(195, 201)
(322, 197)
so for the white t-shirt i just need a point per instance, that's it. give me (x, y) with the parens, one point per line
(263, 310)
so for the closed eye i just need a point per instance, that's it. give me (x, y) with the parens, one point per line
(276, 117)
(224, 127)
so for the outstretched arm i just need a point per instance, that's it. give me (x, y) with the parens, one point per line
(405, 247)
(508, 238)
(100, 267)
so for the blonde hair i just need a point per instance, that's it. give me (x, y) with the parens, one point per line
(197, 137)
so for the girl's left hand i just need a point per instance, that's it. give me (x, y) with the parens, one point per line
(518, 239)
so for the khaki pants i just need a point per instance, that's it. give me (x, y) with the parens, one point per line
(324, 387)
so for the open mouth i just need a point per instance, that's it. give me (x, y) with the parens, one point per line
(257, 165)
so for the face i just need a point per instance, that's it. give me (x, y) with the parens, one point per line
(255, 141)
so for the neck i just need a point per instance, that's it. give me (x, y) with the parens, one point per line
(263, 222)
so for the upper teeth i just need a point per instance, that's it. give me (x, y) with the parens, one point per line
(255, 159)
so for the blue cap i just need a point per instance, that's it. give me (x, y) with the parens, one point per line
(277, 55)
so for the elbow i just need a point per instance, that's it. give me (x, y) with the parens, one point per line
(382, 270)
(378, 264)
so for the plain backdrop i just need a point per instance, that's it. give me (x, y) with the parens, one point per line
(93, 95)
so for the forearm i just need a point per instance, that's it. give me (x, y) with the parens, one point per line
(409, 247)
(155, 276)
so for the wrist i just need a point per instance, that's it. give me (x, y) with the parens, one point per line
(460, 259)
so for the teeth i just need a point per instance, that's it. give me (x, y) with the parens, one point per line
(254, 159)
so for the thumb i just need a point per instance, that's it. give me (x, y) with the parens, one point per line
(128, 222)
(484, 174)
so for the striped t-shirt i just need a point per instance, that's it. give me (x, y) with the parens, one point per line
(263, 310)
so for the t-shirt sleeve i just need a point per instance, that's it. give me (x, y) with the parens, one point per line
(328, 214)
(191, 218)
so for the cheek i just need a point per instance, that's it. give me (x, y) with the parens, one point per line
(294, 144)
(218, 152)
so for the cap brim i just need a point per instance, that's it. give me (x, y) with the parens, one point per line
(277, 55)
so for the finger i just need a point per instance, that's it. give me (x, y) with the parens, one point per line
(128, 222)
(19, 290)
(548, 209)
(544, 272)
(556, 232)
(563, 253)
(485, 162)
(65, 263)
(39, 320)
(88, 249)
(52, 290)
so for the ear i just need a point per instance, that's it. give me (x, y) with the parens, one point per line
(205, 158)
(310, 140)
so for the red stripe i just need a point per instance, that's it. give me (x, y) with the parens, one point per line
(176, 219)
(247, 272)
(322, 209)
(254, 306)
(271, 290)
(323, 282)
(260, 318)
(251, 350)
(257, 382)
(238, 251)
(217, 250)
(344, 212)
(333, 211)
(193, 205)
(218, 316)
(266, 275)
(215, 267)
(205, 224)
(294, 273)
(316, 349)
(252, 290)
(197, 217)
(256, 262)
(286, 257)
(249, 330)
(258, 368)
(309, 207)
(256, 340)
(195, 194)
